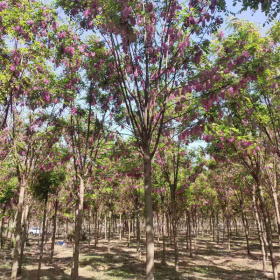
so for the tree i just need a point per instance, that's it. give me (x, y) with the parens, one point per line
(153, 56)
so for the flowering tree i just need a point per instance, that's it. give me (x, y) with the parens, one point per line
(153, 53)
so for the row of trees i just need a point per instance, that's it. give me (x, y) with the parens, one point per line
(149, 69)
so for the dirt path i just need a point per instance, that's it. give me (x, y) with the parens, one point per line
(211, 261)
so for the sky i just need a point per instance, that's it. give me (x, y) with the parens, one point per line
(257, 17)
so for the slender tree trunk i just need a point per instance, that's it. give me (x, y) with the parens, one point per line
(268, 233)
(149, 216)
(120, 228)
(23, 239)
(138, 230)
(235, 225)
(275, 200)
(66, 229)
(175, 237)
(105, 227)
(2, 229)
(260, 231)
(158, 228)
(163, 261)
(42, 240)
(228, 231)
(224, 228)
(187, 231)
(129, 231)
(54, 228)
(109, 232)
(18, 229)
(46, 232)
(89, 222)
(96, 228)
(8, 229)
(78, 225)
(217, 225)
(190, 233)
(213, 225)
(246, 228)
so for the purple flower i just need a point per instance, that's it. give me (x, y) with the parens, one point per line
(69, 50)
(221, 35)
(30, 22)
(55, 25)
(74, 110)
(3, 5)
(61, 35)
(13, 68)
(86, 13)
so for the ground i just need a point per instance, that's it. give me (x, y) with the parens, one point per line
(211, 261)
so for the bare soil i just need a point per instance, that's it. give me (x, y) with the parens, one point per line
(210, 261)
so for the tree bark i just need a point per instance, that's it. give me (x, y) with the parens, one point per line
(96, 228)
(259, 228)
(246, 228)
(79, 217)
(89, 222)
(273, 187)
(217, 225)
(18, 229)
(23, 239)
(175, 237)
(54, 228)
(120, 228)
(268, 232)
(2, 229)
(109, 232)
(42, 240)
(190, 233)
(129, 231)
(228, 231)
(138, 232)
(105, 227)
(149, 216)
(163, 261)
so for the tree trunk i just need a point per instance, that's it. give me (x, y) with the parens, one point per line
(79, 217)
(246, 228)
(175, 237)
(213, 225)
(268, 233)
(129, 231)
(273, 187)
(149, 216)
(2, 229)
(228, 231)
(42, 240)
(187, 231)
(109, 232)
(54, 228)
(217, 225)
(23, 239)
(138, 230)
(190, 233)
(96, 228)
(89, 222)
(18, 229)
(163, 261)
(105, 227)
(120, 228)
